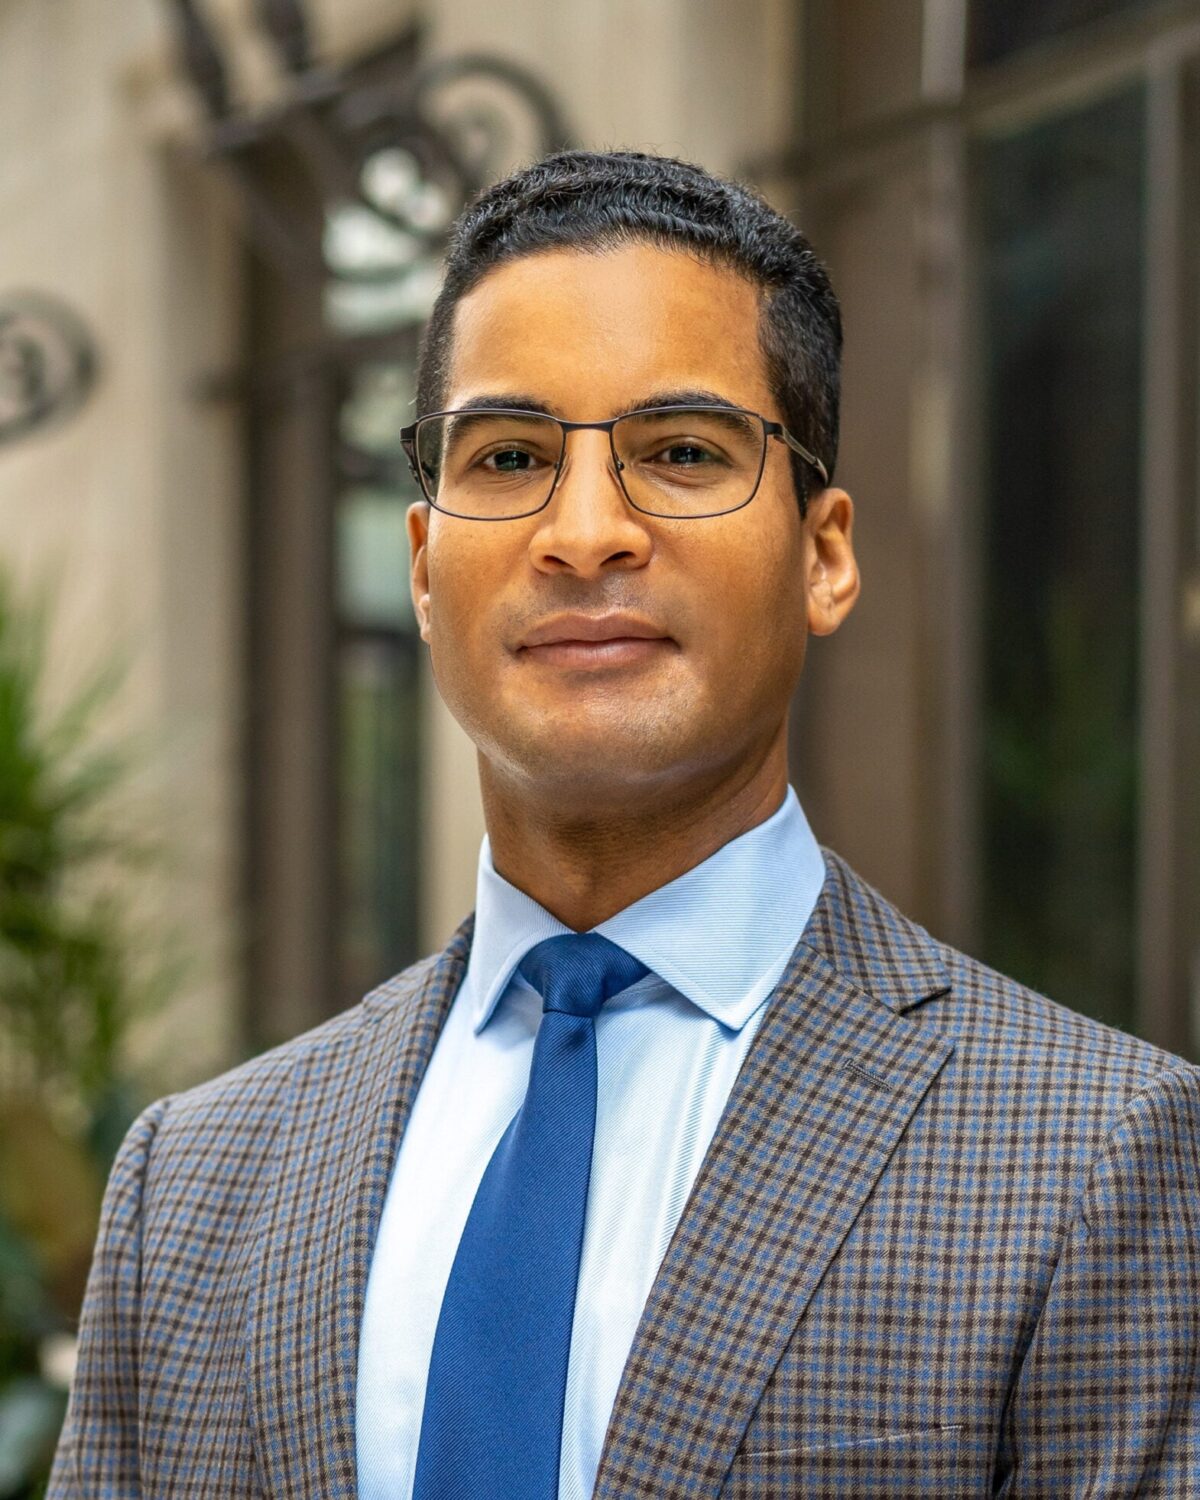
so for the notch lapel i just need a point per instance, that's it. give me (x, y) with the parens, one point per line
(827, 1089)
(340, 1126)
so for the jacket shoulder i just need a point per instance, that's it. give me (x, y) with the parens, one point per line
(1002, 1027)
(1002, 1016)
(246, 1102)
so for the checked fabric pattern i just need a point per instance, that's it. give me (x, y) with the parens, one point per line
(945, 1243)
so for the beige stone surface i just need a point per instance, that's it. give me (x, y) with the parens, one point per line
(133, 501)
(711, 80)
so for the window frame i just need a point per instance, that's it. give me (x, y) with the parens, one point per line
(947, 106)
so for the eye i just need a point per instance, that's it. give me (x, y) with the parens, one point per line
(506, 459)
(509, 461)
(684, 454)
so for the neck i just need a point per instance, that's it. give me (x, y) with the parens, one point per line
(584, 865)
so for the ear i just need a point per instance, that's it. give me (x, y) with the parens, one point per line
(418, 546)
(831, 578)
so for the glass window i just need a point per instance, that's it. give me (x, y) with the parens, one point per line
(383, 284)
(999, 28)
(378, 681)
(372, 546)
(1060, 212)
(379, 770)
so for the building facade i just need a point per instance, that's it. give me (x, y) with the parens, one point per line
(242, 205)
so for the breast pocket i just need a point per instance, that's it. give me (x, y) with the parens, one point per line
(913, 1465)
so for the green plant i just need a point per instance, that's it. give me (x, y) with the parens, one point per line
(74, 977)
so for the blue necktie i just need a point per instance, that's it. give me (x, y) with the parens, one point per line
(492, 1424)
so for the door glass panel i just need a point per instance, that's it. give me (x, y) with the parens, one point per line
(372, 546)
(384, 278)
(379, 763)
(1059, 213)
(378, 678)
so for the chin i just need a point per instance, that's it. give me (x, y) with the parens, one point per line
(605, 767)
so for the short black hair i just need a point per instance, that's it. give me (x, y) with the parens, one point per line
(600, 200)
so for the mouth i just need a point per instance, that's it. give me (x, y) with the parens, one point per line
(580, 641)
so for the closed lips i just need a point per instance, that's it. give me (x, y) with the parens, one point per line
(591, 629)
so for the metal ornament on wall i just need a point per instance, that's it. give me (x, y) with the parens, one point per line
(392, 153)
(47, 363)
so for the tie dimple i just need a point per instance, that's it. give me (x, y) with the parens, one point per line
(578, 972)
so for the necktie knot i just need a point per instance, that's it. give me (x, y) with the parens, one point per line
(577, 972)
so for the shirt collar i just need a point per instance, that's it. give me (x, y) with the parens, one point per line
(720, 933)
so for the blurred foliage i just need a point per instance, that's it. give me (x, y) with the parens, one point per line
(77, 967)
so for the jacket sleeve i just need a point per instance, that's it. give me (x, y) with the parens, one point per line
(1107, 1401)
(97, 1451)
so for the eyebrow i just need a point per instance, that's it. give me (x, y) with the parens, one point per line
(505, 401)
(522, 401)
(697, 397)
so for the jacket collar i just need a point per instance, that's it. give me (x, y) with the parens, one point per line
(871, 944)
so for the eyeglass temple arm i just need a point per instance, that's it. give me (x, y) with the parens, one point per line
(776, 429)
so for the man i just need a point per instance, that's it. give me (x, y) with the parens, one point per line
(691, 1167)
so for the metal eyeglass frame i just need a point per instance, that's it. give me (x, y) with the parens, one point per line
(408, 441)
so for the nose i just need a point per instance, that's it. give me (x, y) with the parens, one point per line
(589, 527)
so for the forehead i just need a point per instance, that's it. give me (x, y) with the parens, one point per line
(587, 333)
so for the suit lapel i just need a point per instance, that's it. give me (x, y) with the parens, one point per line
(339, 1128)
(830, 1082)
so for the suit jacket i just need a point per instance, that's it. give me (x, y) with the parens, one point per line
(945, 1242)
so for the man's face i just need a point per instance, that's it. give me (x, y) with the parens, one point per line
(721, 604)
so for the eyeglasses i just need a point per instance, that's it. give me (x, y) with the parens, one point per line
(673, 461)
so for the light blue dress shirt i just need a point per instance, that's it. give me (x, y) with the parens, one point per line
(668, 1049)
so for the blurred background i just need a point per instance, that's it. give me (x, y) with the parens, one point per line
(230, 801)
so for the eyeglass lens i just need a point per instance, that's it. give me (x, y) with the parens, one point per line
(673, 462)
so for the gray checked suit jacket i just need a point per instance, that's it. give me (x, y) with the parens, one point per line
(945, 1242)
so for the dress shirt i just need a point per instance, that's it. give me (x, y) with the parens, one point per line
(669, 1047)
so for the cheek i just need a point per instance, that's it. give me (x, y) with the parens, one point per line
(457, 579)
(756, 599)
(469, 574)
(765, 637)
(450, 619)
